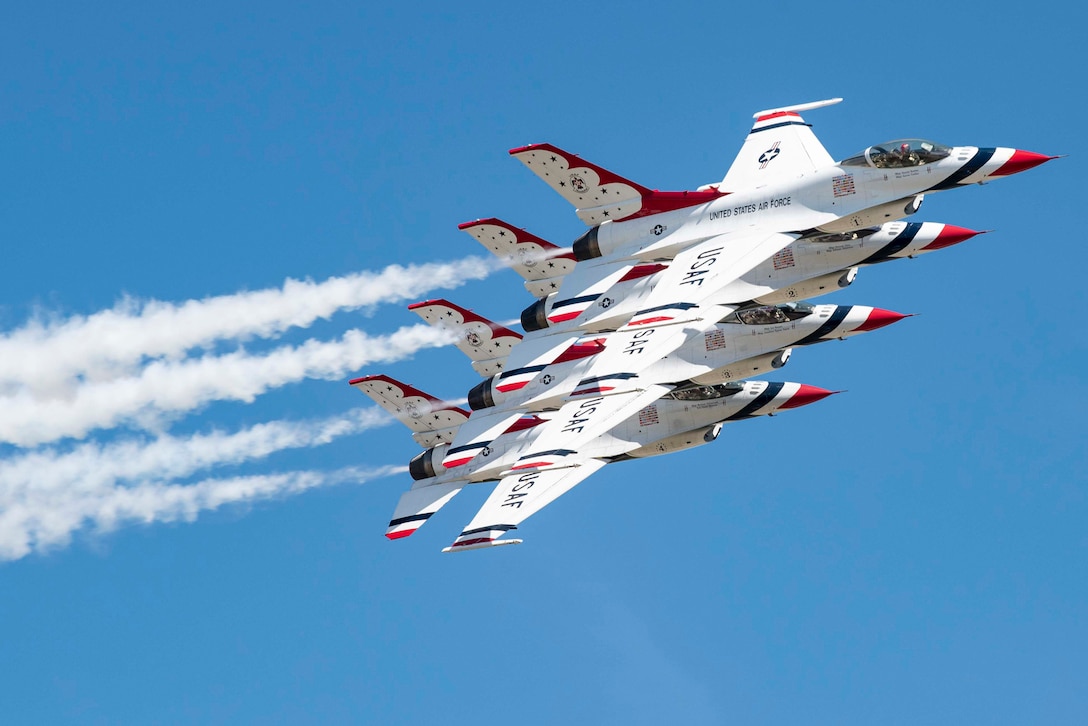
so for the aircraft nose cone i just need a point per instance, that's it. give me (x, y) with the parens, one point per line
(878, 318)
(1021, 161)
(951, 235)
(806, 395)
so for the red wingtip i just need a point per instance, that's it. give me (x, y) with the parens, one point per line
(399, 535)
(807, 394)
(1022, 161)
(878, 318)
(952, 235)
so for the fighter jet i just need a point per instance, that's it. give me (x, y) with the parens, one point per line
(814, 265)
(688, 417)
(752, 341)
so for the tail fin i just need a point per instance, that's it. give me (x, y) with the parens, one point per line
(542, 264)
(779, 144)
(485, 343)
(418, 504)
(597, 194)
(432, 421)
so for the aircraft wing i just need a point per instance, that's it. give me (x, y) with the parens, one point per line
(703, 271)
(564, 437)
(779, 144)
(517, 497)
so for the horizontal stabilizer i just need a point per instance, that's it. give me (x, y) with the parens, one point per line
(486, 343)
(539, 262)
(417, 505)
(597, 194)
(432, 421)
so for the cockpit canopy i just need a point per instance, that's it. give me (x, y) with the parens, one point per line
(705, 393)
(771, 314)
(899, 154)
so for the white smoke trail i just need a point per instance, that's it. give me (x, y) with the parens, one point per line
(45, 520)
(46, 495)
(46, 357)
(94, 465)
(165, 388)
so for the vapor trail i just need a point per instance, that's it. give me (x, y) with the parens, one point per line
(167, 388)
(43, 520)
(45, 357)
(93, 465)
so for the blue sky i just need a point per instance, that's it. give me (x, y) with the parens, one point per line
(912, 551)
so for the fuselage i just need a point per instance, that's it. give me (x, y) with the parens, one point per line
(852, 194)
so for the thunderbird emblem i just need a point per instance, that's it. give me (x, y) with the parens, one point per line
(769, 155)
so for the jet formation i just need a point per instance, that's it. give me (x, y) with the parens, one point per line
(646, 330)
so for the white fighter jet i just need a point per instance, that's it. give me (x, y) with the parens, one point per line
(661, 268)
(689, 416)
(749, 342)
(814, 265)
